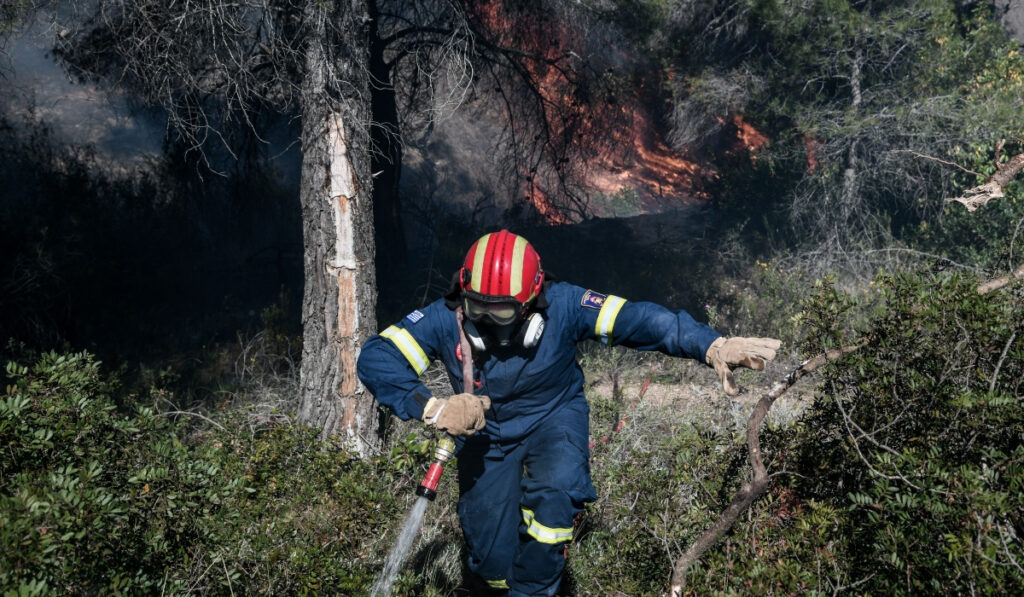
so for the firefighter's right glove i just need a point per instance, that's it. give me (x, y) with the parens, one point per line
(725, 354)
(461, 414)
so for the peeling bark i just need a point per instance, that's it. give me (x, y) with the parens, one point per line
(987, 287)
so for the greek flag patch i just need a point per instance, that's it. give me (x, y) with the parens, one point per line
(415, 316)
(593, 300)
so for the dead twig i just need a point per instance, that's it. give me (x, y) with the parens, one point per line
(999, 365)
(935, 159)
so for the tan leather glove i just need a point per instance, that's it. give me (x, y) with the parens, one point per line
(725, 354)
(462, 414)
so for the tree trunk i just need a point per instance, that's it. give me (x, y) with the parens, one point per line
(386, 158)
(337, 212)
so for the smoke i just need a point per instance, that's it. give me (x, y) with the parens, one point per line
(39, 90)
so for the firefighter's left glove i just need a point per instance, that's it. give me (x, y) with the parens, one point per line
(461, 414)
(725, 354)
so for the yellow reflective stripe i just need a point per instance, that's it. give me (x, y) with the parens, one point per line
(478, 263)
(543, 533)
(409, 347)
(518, 257)
(606, 317)
(497, 584)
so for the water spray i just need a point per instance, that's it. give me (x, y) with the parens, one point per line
(427, 489)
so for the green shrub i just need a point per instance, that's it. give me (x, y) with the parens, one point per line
(918, 439)
(99, 501)
(95, 501)
(905, 475)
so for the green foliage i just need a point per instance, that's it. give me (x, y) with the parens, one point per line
(917, 437)
(624, 203)
(656, 495)
(903, 477)
(94, 500)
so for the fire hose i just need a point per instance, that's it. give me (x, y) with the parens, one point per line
(427, 489)
(445, 448)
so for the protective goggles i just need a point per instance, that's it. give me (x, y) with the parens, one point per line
(499, 310)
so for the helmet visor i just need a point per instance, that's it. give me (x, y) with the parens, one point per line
(501, 312)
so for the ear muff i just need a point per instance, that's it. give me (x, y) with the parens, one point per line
(533, 330)
(474, 336)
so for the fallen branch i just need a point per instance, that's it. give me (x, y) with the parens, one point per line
(751, 490)
(992, 188)
(987, 287)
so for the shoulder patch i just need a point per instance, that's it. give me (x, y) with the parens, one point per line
(415, 316)
(593, 300)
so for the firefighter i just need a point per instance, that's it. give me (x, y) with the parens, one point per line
(523, 436)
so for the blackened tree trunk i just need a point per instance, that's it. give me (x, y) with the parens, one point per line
(340, 291)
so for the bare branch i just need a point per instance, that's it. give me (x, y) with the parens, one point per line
(935, 159)
(756, 486)
(999, 365)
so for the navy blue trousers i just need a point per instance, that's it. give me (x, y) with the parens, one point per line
(517, 508)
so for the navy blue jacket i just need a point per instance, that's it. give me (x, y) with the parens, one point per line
(525, 385)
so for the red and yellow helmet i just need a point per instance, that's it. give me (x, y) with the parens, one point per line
(500, 278)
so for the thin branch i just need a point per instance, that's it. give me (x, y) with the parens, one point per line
(751, 490)
(193, 414)
(922, 254)
(935, 159)
(999, 365)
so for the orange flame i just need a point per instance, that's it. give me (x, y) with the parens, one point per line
(625, 148)
(551, 214)
(811, 147)
(749, 137)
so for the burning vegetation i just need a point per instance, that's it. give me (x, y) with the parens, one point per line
(583, 125)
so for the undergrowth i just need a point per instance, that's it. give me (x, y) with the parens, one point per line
(903, 475)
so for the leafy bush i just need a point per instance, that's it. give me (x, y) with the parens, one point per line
(904, 476)
(917, 438)
(95, 501)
